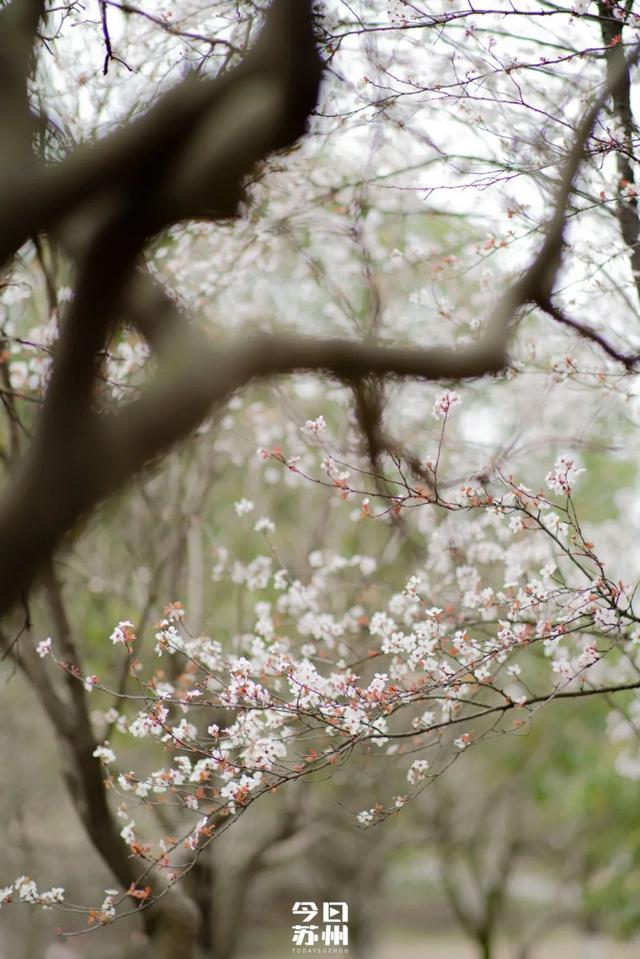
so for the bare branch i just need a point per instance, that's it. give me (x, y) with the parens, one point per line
(629, 360)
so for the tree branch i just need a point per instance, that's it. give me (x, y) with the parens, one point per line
(209, 133)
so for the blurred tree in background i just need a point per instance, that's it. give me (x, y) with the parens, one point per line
(321, 320)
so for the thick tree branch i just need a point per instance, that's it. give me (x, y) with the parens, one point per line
(209, 133)
(18, 25)
(187, 157)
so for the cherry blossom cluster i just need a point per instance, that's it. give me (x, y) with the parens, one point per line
(525, 613)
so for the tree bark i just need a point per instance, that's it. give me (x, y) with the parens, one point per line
(485, 945)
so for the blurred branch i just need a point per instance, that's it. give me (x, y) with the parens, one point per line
(187, 157)
(619, 85)
(83, 772)
(169, 28)
(18, 25)
(628, 360)
(202, 138)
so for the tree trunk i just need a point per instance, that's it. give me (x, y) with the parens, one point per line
(173, 927)
(485, 946)
(199, 885)
(173, 923)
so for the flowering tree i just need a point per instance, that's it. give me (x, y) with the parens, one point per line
(510, 602)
